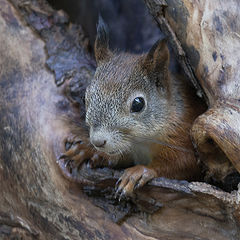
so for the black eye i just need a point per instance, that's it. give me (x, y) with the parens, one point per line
(137, 104)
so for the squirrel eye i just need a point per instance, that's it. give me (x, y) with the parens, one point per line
(137, 104)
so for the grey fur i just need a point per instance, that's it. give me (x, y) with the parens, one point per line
(108, 102)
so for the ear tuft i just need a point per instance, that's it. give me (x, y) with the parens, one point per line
(156, 62)
(158, 56)
(102, 52)
(102, 31)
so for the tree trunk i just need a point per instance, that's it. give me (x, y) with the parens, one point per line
(38, 110)
(206, 36)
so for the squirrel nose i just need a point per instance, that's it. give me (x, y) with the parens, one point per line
(99, 142)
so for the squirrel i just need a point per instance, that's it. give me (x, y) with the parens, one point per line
(140, 115)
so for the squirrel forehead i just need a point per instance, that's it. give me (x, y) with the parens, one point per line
(119, 69)
(121, 73)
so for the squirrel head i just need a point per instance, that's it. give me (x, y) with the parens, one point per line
(127, 101)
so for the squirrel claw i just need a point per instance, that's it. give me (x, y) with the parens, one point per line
(133, 178)
(116, 194)
(122, 195)
(69, 165)
(136, 186)
(118, 190)
(61, 156)
(78, 151)
(117, 183)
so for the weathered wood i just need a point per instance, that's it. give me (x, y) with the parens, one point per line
(36, 201)
(206, 35)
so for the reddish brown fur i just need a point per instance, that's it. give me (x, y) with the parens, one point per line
(163, 126)
(174, 163)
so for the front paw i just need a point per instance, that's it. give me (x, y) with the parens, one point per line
(77, 151)
(132, 178)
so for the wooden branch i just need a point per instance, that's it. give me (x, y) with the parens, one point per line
(36, 201)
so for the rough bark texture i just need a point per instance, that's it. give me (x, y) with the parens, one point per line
(206, 34)
(37, 111)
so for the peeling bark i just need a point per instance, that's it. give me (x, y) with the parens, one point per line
(205, 34)
(38, 109)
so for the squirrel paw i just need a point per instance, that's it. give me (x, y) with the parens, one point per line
(133, 178)
(76, 153)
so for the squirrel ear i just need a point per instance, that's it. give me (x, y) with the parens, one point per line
(157, 61)
(101, 47)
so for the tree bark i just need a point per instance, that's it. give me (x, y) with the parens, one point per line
(38, 110)
(206, 37)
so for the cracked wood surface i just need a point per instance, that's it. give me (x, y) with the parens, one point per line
(205, 34)
(36, 201)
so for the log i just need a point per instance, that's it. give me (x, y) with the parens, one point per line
(205, 36)
(44, 70)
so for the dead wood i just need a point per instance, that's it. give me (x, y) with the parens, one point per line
(37, 111)
(205, 35)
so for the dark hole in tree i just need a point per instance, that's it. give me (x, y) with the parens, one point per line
(218, 171)
(133, 31)
(130, 25)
